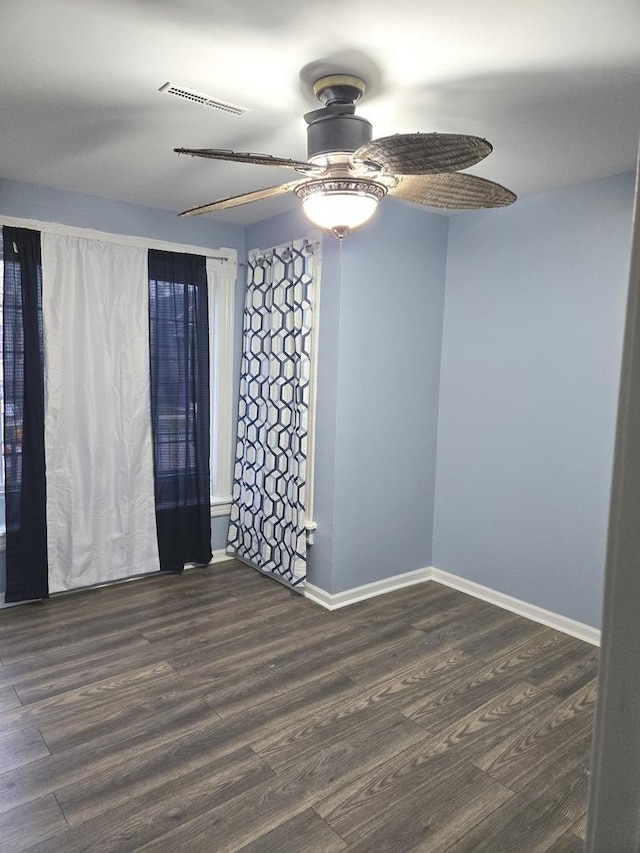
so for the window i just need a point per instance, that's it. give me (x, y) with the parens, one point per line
(23, 397)
(12, 353)
(3, 514)
(180, 403)
(174, 309)
(221, 282)
(221, 269)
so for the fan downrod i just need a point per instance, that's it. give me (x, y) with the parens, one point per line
(338, 89)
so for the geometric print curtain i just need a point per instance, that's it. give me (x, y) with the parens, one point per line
(268, 512)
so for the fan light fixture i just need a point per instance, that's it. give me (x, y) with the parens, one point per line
(347, 172)
(340, 205)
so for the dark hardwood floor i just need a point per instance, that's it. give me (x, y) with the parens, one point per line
(216, 712)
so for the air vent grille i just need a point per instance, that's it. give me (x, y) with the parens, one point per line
(201, 98)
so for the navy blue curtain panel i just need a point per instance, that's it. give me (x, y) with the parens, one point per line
(23, 377)
(179, 352)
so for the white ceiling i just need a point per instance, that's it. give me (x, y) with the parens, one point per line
(554, 85)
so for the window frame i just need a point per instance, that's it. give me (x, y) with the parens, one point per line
(222, 270)
(3, 516)
(221, 292)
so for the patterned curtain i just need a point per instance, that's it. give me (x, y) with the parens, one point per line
(267, 522)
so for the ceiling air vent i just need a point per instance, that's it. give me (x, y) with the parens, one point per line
(201, 98)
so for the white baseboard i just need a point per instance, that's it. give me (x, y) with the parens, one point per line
(221, 556)
(530, 611)
(369, 590)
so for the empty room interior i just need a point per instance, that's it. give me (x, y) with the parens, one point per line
(321, 459)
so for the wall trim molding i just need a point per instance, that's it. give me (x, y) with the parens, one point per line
(369, 590)
(220, 556)
(573, 628)
(564, 624)
(220, 507)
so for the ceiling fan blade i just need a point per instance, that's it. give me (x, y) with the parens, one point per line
(453, 190)
(246, 157)
(424, 153)
(237, 200)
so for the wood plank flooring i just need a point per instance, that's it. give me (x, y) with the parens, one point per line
(216, 712)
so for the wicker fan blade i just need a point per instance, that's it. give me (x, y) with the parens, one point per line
(237, 200)
(453, 190)
(245, 157)
(424, 153)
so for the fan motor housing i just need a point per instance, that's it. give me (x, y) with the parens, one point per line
(334, 133)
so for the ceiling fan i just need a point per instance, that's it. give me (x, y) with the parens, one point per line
(348, 173)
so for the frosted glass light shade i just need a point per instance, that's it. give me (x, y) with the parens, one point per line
(342, 210)
(339, 206)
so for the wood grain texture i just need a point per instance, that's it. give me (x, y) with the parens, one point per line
(580, 828)
(569, 843)
(120, 720)
(143, 819)
(543, 741)
(20, 747)
(98, 758)
(306, 831)
(217, 711)
(93, 695)
(265, 806)
(42, 817)
(8, 698)
(535, 818)
(567, 672)
(414, 799)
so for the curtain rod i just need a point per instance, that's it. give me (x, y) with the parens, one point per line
(207, 257)
(261, 256)
(121, 239)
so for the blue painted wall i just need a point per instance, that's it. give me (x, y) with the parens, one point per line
(30, 201)
(391, 305)
(535, 301)
(277, 230)
(377, 401)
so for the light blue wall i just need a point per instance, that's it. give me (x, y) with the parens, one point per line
(535, 300)
(321, 555)
(219, 528)
(391, 305)
(377, 401)
(277, 230)
(30, 201)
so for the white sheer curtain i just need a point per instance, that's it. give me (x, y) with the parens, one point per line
(100, 495)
